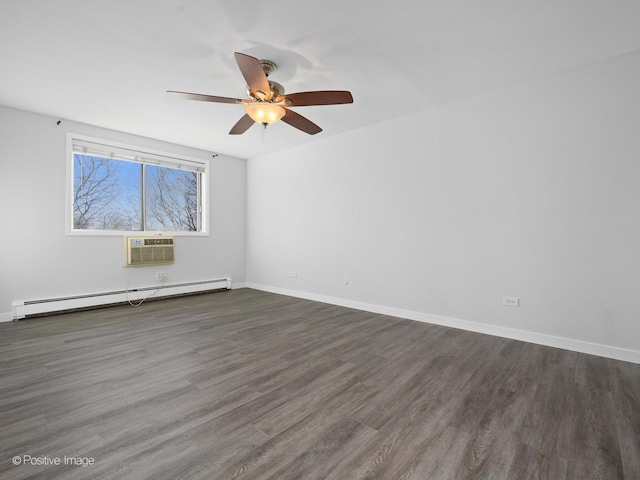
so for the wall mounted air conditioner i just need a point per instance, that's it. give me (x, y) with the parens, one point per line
(140, 251)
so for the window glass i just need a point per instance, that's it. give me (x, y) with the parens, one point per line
(171, 201)
(122, 190)
(106, 194)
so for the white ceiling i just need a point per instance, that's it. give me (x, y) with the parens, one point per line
(109, 63)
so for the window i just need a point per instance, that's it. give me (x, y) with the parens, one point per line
(121, 189)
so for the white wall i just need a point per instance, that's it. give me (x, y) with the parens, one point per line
(37, 258)
(531, 191)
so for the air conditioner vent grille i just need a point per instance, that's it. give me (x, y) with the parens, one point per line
(149, 250)
(158, 241)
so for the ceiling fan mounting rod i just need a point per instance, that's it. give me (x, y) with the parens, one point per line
(268, 66)
(275, 88)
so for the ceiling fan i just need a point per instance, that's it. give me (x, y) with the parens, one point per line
(267, 102)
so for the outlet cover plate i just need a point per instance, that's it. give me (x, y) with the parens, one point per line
(511, 301)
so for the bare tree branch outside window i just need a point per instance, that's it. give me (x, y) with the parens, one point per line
(108, 196)
(172, 199)
(99, 198)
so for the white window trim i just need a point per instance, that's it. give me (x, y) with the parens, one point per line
(204, 189)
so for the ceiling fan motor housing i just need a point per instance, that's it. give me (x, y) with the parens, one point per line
(268, 66)
(276, 89)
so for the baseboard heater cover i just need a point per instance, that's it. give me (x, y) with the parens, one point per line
(25, 308)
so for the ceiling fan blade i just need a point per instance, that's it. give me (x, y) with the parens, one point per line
(321, 97)
(242, 125)
(301, 123)
(254, 75)
(204, 98)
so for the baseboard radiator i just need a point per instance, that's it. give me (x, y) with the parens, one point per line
(27, 308)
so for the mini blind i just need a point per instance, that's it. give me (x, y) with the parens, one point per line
(95, 149)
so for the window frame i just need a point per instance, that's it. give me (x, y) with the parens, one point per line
(203, 193)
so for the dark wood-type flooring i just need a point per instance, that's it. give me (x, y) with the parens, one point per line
(251, 385)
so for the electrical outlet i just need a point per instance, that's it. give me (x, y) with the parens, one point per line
(161, 276)
(293, 274)
(511, 301)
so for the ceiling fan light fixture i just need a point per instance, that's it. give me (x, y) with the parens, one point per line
(263, 112)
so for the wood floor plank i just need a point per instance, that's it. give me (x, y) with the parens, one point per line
(249, 384)
(284, 451)
(627, 401)
(492, 447)
(532, 464)
(549, 425)
(322, 390)
(596, 438)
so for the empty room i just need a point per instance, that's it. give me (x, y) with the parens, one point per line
(312, 241)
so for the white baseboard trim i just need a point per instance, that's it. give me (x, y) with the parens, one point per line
(235, 286)
(564, 343)
(6, 317)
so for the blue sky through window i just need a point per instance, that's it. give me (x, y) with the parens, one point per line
(108, 196)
